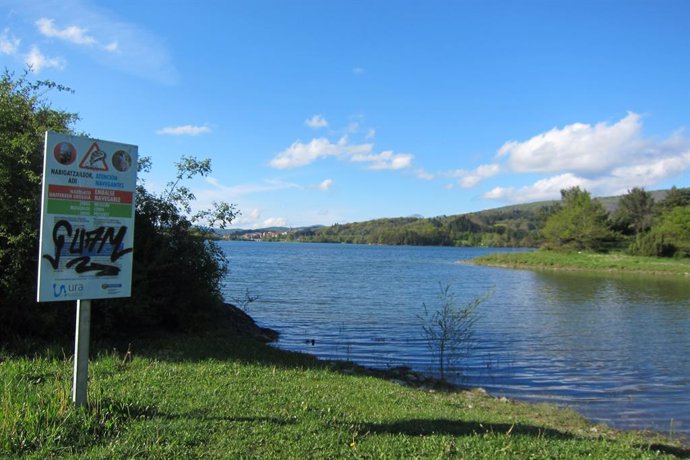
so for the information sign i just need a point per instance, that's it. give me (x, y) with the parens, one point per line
(87, 219)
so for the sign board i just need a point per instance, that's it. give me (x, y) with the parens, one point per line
(87, 219)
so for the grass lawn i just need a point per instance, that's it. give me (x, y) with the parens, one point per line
(214, 397)
(585, 261)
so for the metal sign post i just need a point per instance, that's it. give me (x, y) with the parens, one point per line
(81, 353)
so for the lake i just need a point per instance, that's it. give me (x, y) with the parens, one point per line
(615, 348)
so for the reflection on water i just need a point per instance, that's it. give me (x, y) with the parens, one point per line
(615, 348)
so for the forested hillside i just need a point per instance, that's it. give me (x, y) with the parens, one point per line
(510, 226)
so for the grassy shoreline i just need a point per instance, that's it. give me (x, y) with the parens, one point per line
(585, 261)
(219, 397)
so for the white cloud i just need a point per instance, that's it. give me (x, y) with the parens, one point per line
(499, 193)
(358, 70)
(184, 130)
(606, 159)
(71, 34)
(275, 222)
(353, 127)
(111, 39)
(112, 47)
(385, 160)
(424, 174)
(37, 61)
(300, 154)
(316, 122)
(9, 44)
(253, 219)
(578, 147)
(326, 184)
(469, 179)
(545, 189)
(645, 174)
(371, 133)
(617, 182)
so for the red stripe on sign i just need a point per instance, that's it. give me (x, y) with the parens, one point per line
(67, 192)
(112, 196)
(101, 195)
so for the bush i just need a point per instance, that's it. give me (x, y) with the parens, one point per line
(177, 272)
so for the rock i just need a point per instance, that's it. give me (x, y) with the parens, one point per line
(241, 323)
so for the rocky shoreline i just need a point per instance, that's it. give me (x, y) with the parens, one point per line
(239, 322)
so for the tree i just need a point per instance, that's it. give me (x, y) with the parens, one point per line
(579, 224)
(449, 330)
(24, 117)
(669, 237)
(676, 197)
(635, 212)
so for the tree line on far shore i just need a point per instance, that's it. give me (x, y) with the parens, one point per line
(639, 225)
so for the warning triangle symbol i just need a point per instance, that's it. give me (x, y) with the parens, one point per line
(94, 159)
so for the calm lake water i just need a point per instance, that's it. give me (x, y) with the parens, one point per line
(614, 348)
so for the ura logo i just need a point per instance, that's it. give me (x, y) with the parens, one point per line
(62, 291)
(67, 290)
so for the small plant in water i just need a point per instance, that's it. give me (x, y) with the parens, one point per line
(449, 330)
(244, 302)
(342, 339)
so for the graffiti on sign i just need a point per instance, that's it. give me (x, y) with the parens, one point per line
(85, 244)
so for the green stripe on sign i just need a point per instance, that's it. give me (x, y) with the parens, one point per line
(83, 208)
(69, 207)
(112, 210)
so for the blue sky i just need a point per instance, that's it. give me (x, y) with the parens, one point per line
(322, 112)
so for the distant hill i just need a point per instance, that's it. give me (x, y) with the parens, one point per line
(610, 203)
(514, 226)
(507, 226)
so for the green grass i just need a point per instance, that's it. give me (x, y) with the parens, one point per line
(212, 397)
(585, 261)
